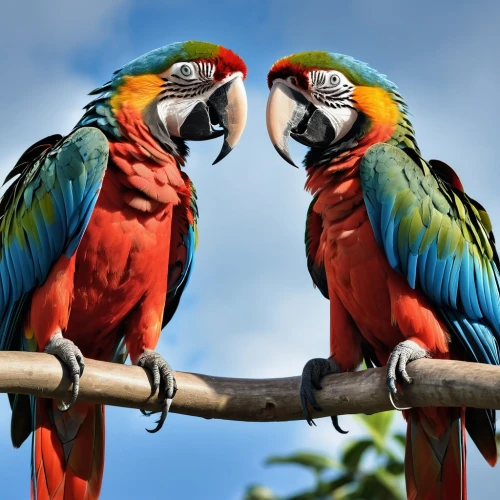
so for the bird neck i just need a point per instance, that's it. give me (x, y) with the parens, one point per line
(146, 177)
(143, 172)
(111, 110)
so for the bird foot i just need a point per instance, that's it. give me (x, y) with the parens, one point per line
(72, 358)
(404, 353)
(160, 370)
(313, 372)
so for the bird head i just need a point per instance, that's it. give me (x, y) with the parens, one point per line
(189, 91)
(328, 101)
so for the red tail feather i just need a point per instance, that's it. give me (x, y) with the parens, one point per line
(69, 452)
(435, 455)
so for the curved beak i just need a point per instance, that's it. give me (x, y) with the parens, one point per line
(227, 108)
(229, 103)
(290, 114)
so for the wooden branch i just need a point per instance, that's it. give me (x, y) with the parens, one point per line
(436, 383)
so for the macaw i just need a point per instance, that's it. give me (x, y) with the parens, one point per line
(98, 232)
(405, 256)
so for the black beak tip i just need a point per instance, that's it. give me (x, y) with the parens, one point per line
(285, 155)
(226, 149)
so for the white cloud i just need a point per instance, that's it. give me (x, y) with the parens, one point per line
(250, 309)
(58, 25)
(42, 91)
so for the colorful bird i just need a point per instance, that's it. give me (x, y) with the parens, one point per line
(98, 232)
(405, 256)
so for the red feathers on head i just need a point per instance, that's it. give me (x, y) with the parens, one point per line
(283, 69)
(228, 62)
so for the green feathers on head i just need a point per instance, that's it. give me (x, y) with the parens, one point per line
(358, 72)
(161, 59)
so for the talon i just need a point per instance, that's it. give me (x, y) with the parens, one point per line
(161, 371)
(391, 385)
(72, 358)
(405, 376)
(314, 371)
(164, 412)
(404, 353)
(335, 422)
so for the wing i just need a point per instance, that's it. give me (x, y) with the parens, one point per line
(183, 243)
(44, 214)
(314, 227)
(440, 239)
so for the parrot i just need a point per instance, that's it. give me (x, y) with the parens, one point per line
(406, 258)
(98, 230)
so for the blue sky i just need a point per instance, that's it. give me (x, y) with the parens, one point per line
(250, 309)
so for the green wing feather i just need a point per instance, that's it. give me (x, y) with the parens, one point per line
(442, 241)
(43, 215)
(433, 233)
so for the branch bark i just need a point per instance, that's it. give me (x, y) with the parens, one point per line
(436, 383)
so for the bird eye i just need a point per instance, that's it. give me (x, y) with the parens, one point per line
(186, 70)
(334, 80)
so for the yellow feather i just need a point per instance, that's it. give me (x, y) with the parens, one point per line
(47, 208)
(138, 91)
(377, 104)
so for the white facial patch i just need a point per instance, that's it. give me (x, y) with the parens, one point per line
(342, 119)
(186, 85)
(174, 111)
(331, 92)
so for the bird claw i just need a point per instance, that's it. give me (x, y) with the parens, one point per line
(404, 353)
(335, 422)
(313, 372)
(72, 358)
(161, 371)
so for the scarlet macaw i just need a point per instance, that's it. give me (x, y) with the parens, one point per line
(405, 256)
(98, 232)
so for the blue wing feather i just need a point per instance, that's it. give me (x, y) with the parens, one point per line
(450, 255)
(43, 214)
(446, 248)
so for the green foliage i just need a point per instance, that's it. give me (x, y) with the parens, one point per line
(370, 468)
(318, 463)
(256, 492)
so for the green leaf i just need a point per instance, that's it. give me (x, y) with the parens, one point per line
(401, 439)
(354, 452)
(312, 460)
(379, 485)
(382, 481)
(377, 425)
(324, 490)
(306, 495)
(258, 492)
(332, 486)
(395, 467)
